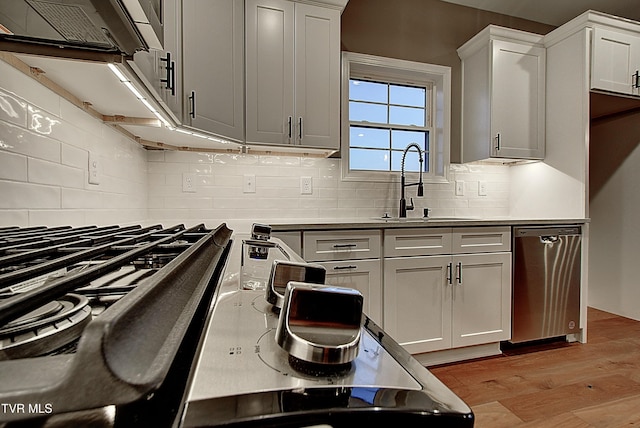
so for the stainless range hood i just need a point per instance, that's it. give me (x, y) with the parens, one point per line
(107, 26)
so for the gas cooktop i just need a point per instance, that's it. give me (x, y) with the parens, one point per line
(99, 326)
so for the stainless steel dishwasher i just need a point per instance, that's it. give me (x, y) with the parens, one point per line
(546, 282)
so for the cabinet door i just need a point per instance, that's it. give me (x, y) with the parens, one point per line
(317, 76)
(518, 100)
(269, 71)
(172, 85)
(363, 275)
(615, 61)
(417, 302)
(160, 70)
(212, 49)
(481, 296)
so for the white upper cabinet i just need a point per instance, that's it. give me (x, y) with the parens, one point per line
(292, 74)
(503, 95)
(213, 55)
(615, 62)
(160, 70)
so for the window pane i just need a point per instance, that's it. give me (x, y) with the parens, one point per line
(362, 90)
(369, 137)
(407, 96)
(363, 112)
(411, 163)
(373, 160)
(406, 116)
(401, 139)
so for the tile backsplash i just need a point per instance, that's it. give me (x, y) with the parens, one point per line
(219, 194)
(46, 142)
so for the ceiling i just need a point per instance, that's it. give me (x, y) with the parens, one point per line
(554, 12)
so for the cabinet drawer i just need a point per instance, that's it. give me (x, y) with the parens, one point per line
(417, 241)
(363, 275)
(481, 239)
(339, 245)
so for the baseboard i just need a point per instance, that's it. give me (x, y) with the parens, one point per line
(458, 354)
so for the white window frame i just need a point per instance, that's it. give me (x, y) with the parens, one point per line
(413, 73)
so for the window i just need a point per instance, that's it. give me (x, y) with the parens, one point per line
(383, 119)
(388, 104)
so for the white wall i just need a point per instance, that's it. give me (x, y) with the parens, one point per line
(614, 271)
(44, 146)
(557, 186)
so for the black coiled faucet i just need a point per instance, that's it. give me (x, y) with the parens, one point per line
(403, 202)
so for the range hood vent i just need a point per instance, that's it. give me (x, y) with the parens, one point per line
(108, 26)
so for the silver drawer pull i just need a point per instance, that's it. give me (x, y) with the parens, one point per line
(344, 245)
(344, 267)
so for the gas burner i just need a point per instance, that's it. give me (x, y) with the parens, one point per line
(319, 369)
(154, 261)
(44, 330)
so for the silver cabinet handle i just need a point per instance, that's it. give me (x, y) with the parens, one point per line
(450, 273)
(344, 245)
(300, 128)
(635, 79)
(290, 126)
(459, 272)
(344, 267)
(497, 138)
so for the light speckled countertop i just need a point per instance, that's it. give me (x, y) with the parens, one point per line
(380, 223)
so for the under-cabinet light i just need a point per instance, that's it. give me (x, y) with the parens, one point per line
(127, 82)
(117, 72)
(133, 90)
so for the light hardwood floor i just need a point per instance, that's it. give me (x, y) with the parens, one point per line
(596, 384)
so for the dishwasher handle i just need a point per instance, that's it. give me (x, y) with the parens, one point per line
(549, 239)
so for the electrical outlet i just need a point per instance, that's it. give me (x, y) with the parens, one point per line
(94, 169)
(459, 188)
(306, 185)
(188, 182)
(482, 188)
(249, 183)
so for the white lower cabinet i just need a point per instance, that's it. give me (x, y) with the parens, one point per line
(437, 302)
(481, 298)
(417, 302)
(430, 288)
(364, 276)
(352, 259)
